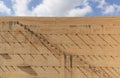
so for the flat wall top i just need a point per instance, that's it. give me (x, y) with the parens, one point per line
(65, 20)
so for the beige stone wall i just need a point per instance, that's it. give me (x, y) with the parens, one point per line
(59, 47)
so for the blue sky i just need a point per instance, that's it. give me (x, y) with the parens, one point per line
(60, 8)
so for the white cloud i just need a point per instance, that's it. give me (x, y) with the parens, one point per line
(108, 9)
(4, 9)
(80, 12)
(102, 3)
(112, 9)
(52, 8)
(61, 8)
(20, 7)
